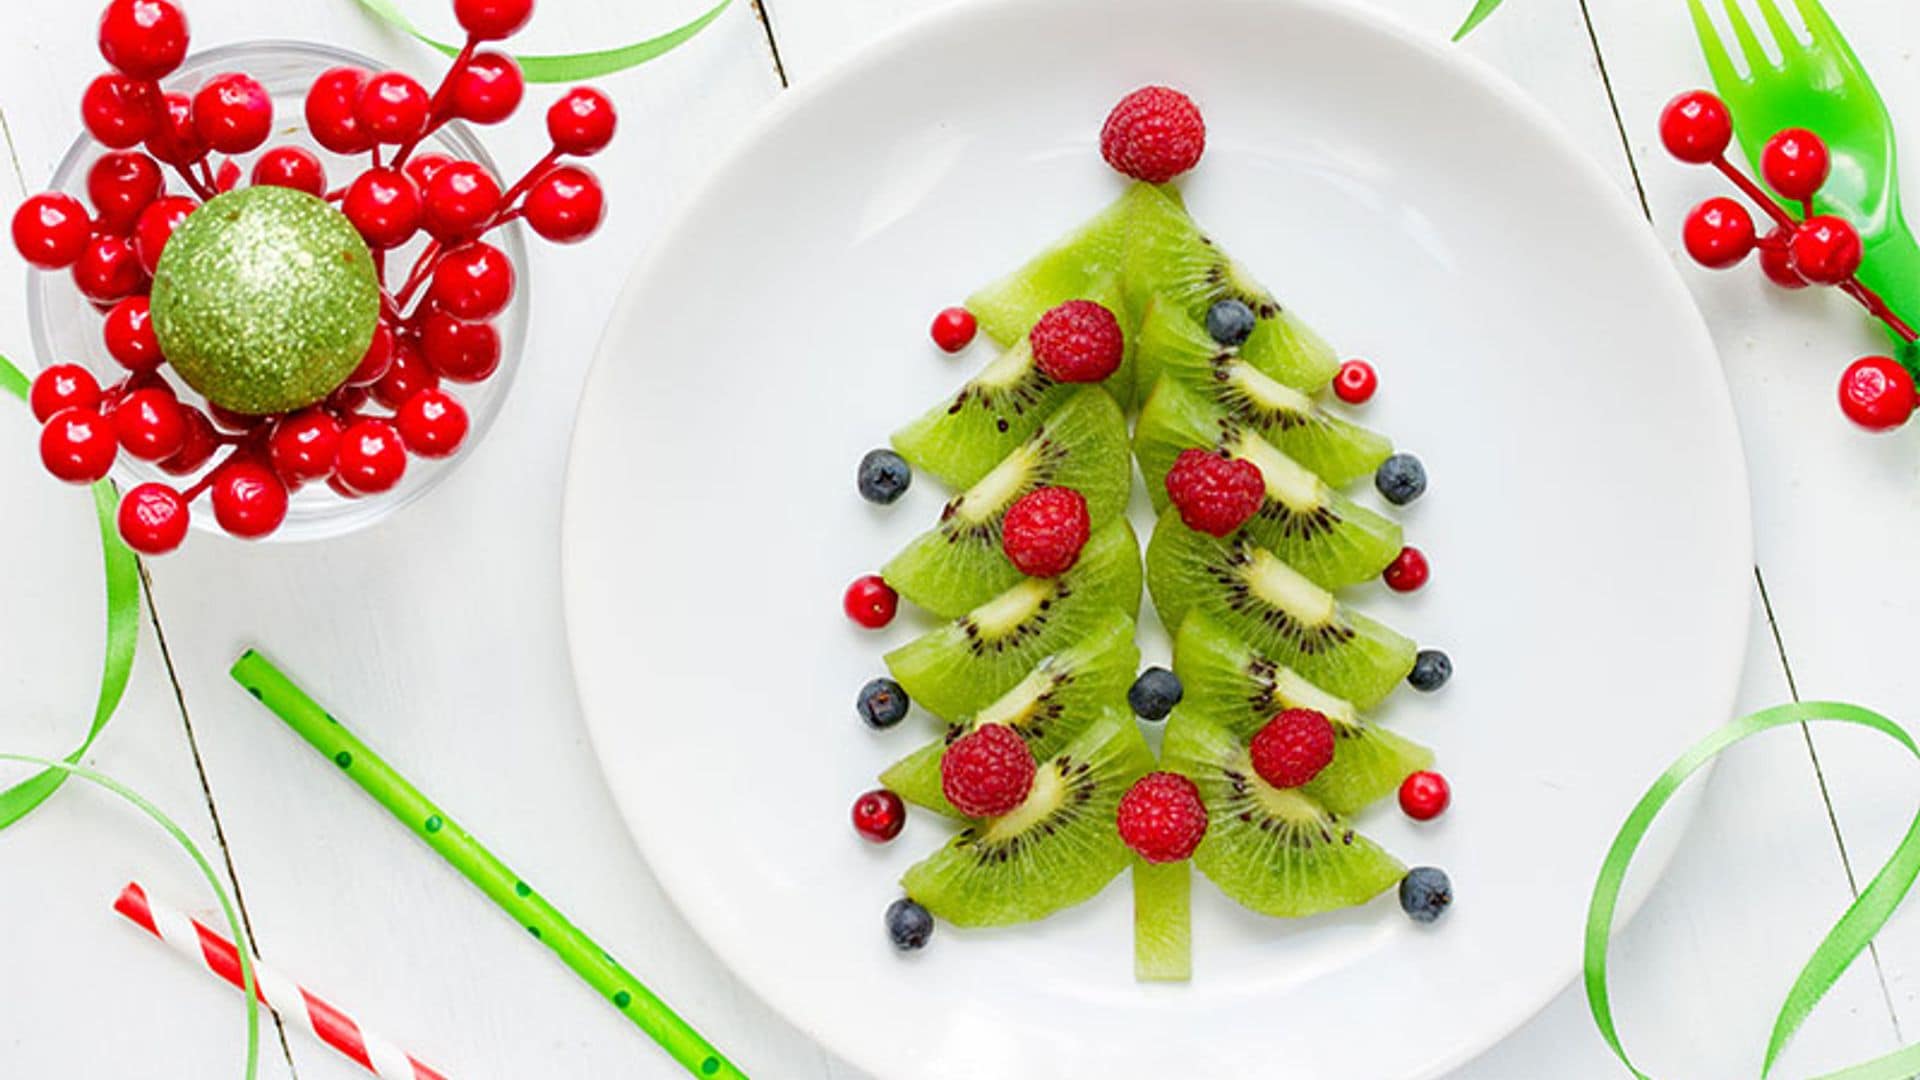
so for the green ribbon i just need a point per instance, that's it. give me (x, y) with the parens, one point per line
(570, 67)
(1842, 944)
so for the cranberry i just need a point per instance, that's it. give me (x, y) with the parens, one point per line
(303, 445)
(474, 281)
(51, 230)
(1777, 263)
(1825, 249)
(78, 446)
(460, 350)
(491, 20)
(1877, 393)
(249, 501)
(488, 89)
(393, 107)
(118, 111)
(130, 336)
(375, 361)
(156, 225)
(460, 200)
(1407, 572)
(1355, 382)
(232, 113)
(1718, 233)
(199, 445)
(870, 601)
(146, 39)
(371, 458)
(291, 167)
(153, 519)
(108, 270)
(333, 110)
(150, 424)
(953, 329)
(879, 815)
(1696, 127)
(581, 123)
(431, 423)
(1425, 795)
(174, 139)
(406, 376)
(385, 206)
(62, 386)
(1795, 163)
(566, 205)
(120, 185)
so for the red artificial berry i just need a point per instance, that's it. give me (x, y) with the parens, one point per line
(422, 168)
(345, 401)
(407, 374)
(1215, 494)
(581, 123)
(340, 489)
(78, 446)
(566, 205)
(291, 167)
(1777, 262)
(1795, 163)
(228, 420)
(953, 329)
(473, 281)
(333, 110)
(1407, 572)
(1162, 818)
(432, 424)
(491, 20)
(394, 107)
(249, 501)
(174, 139)
(1077, 342)
(118, 111)
(488, 89)
(460, 350)
(870, 601)
(1355, 382)
(1425, 795)
(199, 445)
(371, 458)
(146, 39)
(879, 815)
(375, 361)
(385, 206)
(62, 386)
(150, 424)
(130, 336)
(120, 185)
(987, 772)
(1696, 127)
(1718, 233)
(1877, 393)
(108, 270)
(1825, 249)
(155, 227)
(460, 200)
(1154, 134)
(302, 446)
(1043, 532)
(153, 519)
(1293, 748)
(51, 229)
(232, 113)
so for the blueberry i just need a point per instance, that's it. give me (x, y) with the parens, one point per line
(1424, 893)
(1401, 479)
(1230, 322)
(908, 924)
(882, 704)
(1154, 694)
(1431, 670)
(884, 476)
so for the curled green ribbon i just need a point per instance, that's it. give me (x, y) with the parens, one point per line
(571, 67)
(1842, 944)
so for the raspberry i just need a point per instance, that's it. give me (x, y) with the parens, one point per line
(1215, 494)
(1077, 342)
(1044, 531)
(1293, 748)
(1162, 817)
(1154, 134)
(987, 772)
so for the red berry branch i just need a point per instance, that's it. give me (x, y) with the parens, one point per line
(435, 325)
(1876, 392)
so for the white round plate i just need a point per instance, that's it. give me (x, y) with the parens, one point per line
(1587, 523)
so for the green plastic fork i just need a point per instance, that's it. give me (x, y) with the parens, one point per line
(1820, 85)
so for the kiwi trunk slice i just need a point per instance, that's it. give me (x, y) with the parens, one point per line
(959, 564)
(1074, 267)
(1055, 702)
(1324, 535)
(1162, 921)
(1256, 595)
(956, 669)
(1231, 685)
(1277, 851)
(1055, 850)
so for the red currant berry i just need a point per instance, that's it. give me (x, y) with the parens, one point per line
(51, 230)
(1795, 163)
(156, 225)
(153, 519)
(460, 200)
(249, 501)
(422, 168)
(1877, 393)
(953, 329)
(491, 20)
(432, 424)
(303, 445)
(1825, 249)
(174, 139)
(228, 420)
(1696, 127)
(879, 815)
(1355, 382)
(462, 351)
(146, 39)
(108, 270)
(870, 601)
(566, 205)
(393, 107)
(333, 110)
(118, 111)
(1777, 263)
(1718, 233)
(1407, 572)
(150, 424)
(120, 185)
(232, 113)
(62, 386)
(1425, 795)
(198, 446)
(385, 206)
(371, 458)
(291, 167)
(78, 446)
(581, 123)
(488, 89)
(474, 281)
(130, 336)
(376, 360)
(407, 375)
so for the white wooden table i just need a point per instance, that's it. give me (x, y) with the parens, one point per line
(440, 633)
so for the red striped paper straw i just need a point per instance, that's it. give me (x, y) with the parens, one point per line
(293, 1004)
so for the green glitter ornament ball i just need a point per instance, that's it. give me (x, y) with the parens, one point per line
(265, 299)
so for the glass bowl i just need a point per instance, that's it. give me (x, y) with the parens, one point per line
(66, 327)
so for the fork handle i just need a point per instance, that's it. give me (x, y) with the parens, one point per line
(1892, 269)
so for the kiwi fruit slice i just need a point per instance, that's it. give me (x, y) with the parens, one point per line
(1087, 259)
(1256, 595)
(1229, 684)
(1054, 702)
(1315, 529)
(959, 563)
(955, 670)
(1277, 851)
(1055, 850)
(1173, 344)
(1162, 921)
